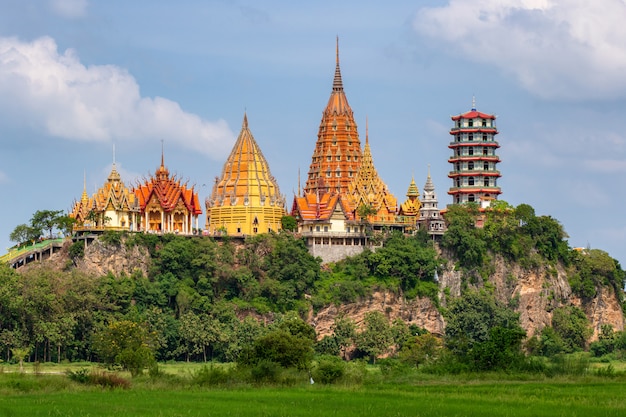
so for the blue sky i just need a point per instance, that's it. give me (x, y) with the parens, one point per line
(78, 77)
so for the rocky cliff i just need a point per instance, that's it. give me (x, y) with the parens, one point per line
(533, 293)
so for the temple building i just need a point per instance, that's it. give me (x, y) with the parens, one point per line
(430, 216)
(474, 161)
(367, 190)
(409, 211)
(112, 207)
(337, 154)
(246, 199)
(166, 205)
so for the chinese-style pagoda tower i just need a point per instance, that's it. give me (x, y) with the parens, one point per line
(474, 161)
(246, 199)
(337, 155)
(166, 205)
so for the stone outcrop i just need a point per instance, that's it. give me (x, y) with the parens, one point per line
(533, 293)
(101, 258)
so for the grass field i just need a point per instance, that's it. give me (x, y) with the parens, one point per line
(496, 395)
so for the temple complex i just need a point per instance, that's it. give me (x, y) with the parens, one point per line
(429, 214)
(474, 161)
(166, 205)
(337, 154)
(246, 199)
(112, 207)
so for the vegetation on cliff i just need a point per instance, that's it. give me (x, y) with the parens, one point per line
(203, 299)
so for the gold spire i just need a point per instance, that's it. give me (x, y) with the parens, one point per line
(337, 83)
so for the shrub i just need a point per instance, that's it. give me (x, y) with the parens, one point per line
(210, 375)
(329, 369)
(266, 371)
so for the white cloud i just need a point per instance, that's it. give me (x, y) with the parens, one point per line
(71, 9)
(563, 49)
(56, 93)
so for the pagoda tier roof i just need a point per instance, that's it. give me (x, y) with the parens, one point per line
(454, 145)
(481, 129)
(169, 192)
(485, 158)
(473, 114)
(475, 173)
(474, 191)
(314, 207)
(246, 178)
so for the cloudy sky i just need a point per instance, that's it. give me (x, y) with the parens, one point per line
(80, 77)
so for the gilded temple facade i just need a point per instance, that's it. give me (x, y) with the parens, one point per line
(246, 199)
(166, 205)
(112, 207)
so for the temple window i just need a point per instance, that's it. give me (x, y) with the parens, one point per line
(458, 182)
(486, 182)
(470, 150)
(348, 157)
(470, 123)
(486, 166)
(470, 181)
(484, 122)
(470, 165)
(255, 230)
(338, 173)
(328, 173)
(239, 230)
(338, 157)
(326, 228)
(329, 158)
(484, 137)
(334, 125)
(470, 137)
(317, 228)
(485, 150)
(470, 197)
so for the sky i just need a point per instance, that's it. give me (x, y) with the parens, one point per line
(86, 82)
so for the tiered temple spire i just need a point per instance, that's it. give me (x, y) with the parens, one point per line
(246, 199)
(337, 153)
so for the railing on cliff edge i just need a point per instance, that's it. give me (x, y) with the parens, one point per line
(24, 250)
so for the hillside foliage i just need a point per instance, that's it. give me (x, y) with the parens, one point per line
(208, 300)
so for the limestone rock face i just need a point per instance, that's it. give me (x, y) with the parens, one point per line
(101, 258)
(533, 293)
(420, 311)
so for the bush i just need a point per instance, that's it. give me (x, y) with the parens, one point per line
(211, 375)
(329, 369)
(266, 371)
(102, 379)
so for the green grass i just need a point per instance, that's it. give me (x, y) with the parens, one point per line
(54, 395)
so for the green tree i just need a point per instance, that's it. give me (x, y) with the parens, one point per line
(47, 220)
(344, 332)
(289, 223)
(23, 233)
(476, 326)
(421, 349)
(376, 337)
(572, 326)
(127, 344)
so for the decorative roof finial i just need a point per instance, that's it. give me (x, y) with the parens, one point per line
(298, 181)
(428, 170)
(162, 152)
(245, 120)
(337, 83)
(473, 102)
(367, 135)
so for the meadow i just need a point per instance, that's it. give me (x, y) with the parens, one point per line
(173, 393)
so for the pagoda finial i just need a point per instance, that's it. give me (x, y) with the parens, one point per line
(337, 83)
(162, 152)
(298, 181)
(114, 154)
(428, 170)
(473, 102)
(245, 120)
(367, 136)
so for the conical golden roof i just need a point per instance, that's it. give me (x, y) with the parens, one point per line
(337, 154)
(411, 206)
(246, 178)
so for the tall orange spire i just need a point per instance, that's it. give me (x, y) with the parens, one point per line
(337, 154)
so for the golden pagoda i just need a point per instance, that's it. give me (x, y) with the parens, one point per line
(337, 154)
(166, 205)
(112, 207)
(368, 190)
(246, 199)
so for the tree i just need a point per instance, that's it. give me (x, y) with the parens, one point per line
(127, 344)
(420, 349)
(23, 233)
(46, 220)
(572, 326)
(477, 326)
(344, 331)
(376, 338)
(289, 223)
